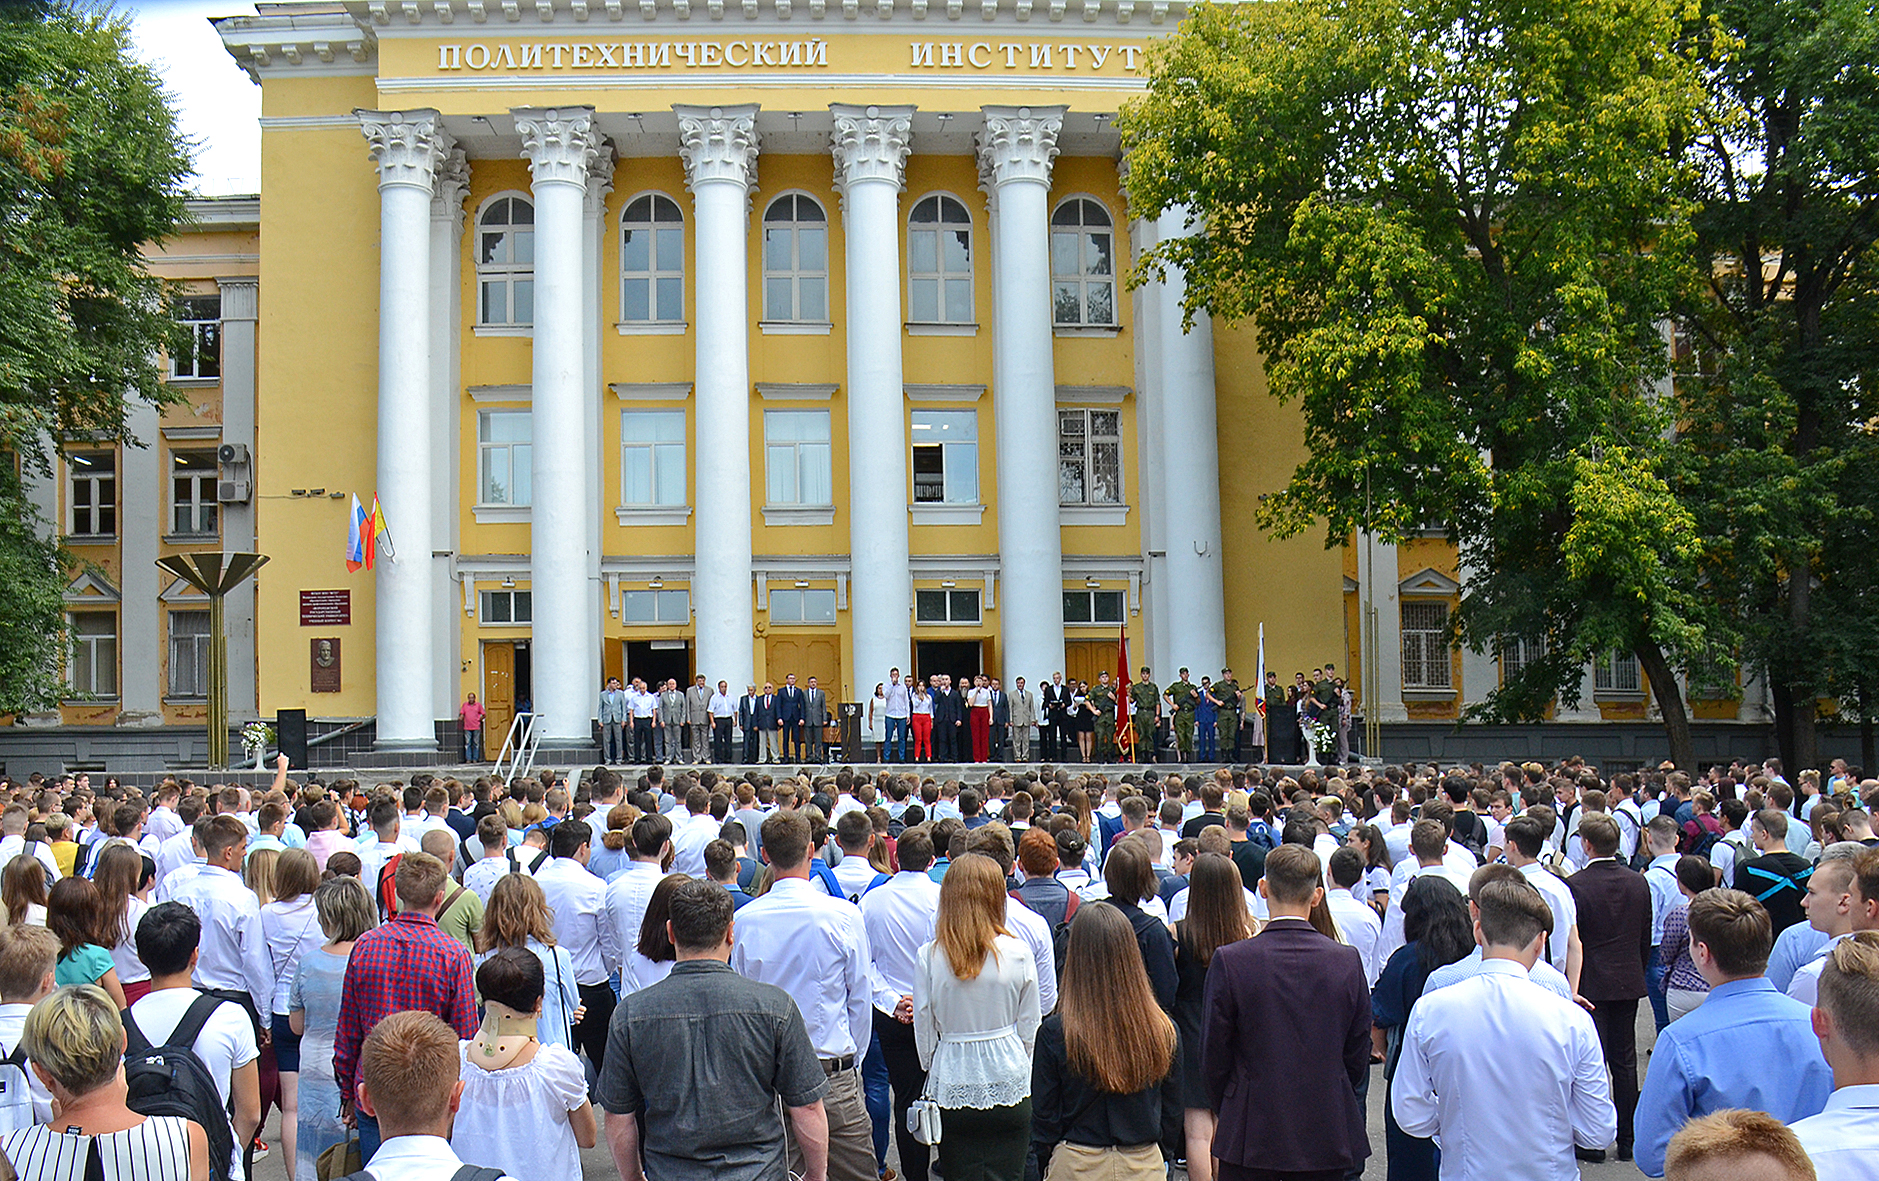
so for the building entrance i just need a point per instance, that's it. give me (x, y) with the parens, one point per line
(507, 689)
(656, 661)
(959, 659)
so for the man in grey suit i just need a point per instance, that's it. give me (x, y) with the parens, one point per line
(672, 720)
(1023, 717)
(612, 721)
(698, 718)
(815, 716)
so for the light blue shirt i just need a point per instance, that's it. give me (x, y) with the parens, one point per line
(1661, 876)
(1746, 1046)
(1795, 948)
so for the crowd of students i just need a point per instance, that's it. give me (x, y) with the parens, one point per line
(1046, 974)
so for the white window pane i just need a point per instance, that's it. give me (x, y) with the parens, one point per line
(958, 301)
(635, 308)
(495, 302)
(922, 251)
(674, 606)
(522, 244)
(956, 250)
(524, 301)
(636, 250)
(495, 481)
(522, 473)
(667, 426)
(636, 475)
(780, 470)
(671, 253)
(777, 304)
(812, 249)
(1102, 309)
(1096, 252)
(815, 300)
(776, 248)
(923, 301)
(670, 298)
(813, 473)
(638, 607)
(670, 467)
(786, 606)
(1067, 303)
(819, 606)
(1063, 253)
(962, 473)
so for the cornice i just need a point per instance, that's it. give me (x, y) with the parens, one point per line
(305, 45)
(431, 18)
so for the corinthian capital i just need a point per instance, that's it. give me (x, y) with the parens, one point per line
(407, 146)
(560, 143)
(600, 180)
(453, 181)
(718, 144)
(870, 143)
(1018, 143)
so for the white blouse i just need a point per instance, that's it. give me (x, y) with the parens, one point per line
(292, 930)
(975, 1037)
(516, 1119)
(130, 969)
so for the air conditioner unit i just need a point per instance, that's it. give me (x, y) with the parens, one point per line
(233, 491)
(232, 454)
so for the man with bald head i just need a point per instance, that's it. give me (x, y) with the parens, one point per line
(462, 914)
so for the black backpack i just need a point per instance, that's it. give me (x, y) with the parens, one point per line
(1472, 837)
(171, 1080)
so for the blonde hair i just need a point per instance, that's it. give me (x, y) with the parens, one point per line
(1730, 1135)
(517, 912)
(971, 913)
(296, 874)
(258, 873)
(345, 908)
(77, 1036)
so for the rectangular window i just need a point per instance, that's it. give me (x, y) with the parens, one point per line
(1089, 456)
(945, 457)
(796, 447)
(505, 474)
(93, 494)
(1617, 672)
(507, 606)
(192, 493)
(656, 606)
(201, 318)
(94, 654)
(1516, 655)
(189, 654)
(1092, 607)
(945, 606)
(1426, 663)
(802, 606)
(652, 457)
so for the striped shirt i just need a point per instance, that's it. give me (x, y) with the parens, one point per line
(155, 1150)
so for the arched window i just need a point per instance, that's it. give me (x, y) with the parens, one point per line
(939, 262)
(652, 260)
(796, 260)
(1082, 264)
(505, 262)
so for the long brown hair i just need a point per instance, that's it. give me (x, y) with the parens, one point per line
(654, 943)
(75, 913)
(120, 873)
(1114, 1033)
(971, 913)
(517, 912)
(296, 874)
(22, 884)
(1216, 907)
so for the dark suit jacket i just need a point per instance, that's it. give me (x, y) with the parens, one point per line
(747, 711)
(1615, 926)
(789, 705)
(949, 706)
(1285, 1040)
(1001, 708)
(1056, 703)
(766, 712)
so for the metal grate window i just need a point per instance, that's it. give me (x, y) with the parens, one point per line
(1426, 663)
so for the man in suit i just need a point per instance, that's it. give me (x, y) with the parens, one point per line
(769, 721)
(1023, 713)
(790, 711)
(1056, 701)
(671, 720)
(1614, 907)
(815, 716)
(1001, 719)
(698, 718)
(747, 722)
(945, 732)
(1287, 1039)
(613, 722)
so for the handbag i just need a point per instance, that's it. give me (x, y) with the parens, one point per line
(339, 1160)
(923, 1118)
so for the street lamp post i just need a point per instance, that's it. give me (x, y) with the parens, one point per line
(215, 574)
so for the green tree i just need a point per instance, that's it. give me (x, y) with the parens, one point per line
(1777, 445)
(91, 171)
(1455, 226)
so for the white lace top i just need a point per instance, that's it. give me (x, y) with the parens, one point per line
(976, 1036)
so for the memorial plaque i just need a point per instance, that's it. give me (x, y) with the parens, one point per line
(323, 664)
(325, 608)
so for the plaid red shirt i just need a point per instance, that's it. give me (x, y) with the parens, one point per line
(408, 963)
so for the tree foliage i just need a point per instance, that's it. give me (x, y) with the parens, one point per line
(91, 172)
(1458, 227)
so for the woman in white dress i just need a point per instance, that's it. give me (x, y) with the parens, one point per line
(525, 1108)
(346, 911)
(877, 721)
(291, 927)
(75, 1042)
(975, 1019)
(125, 891)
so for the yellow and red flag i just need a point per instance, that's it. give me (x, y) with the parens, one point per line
(1125, 733)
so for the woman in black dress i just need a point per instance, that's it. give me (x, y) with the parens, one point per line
(1216, 916)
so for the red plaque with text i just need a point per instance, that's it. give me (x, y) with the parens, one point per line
(325, 608)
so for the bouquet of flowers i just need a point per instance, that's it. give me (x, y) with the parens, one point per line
(1323, 738)
(256, 737)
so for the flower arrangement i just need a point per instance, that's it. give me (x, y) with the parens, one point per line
(1323, 739)
(256, 737)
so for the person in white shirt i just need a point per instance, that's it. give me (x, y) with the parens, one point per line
(692, 831)
(164, 821)
(1428, 840)
(1525, 838)
(723, 708)
(854, 833)
(13, 842)
(650, 847)
(1357, 923)
(1499, 1041)
(384, 839)
(179, 848)
(1843, 1140)
(172, 881)
(577, 904)
(410, 1080)
(899, 916)
(816, 949)
(168, 939)
(1837, 906)
(482, 875)
(1032, 929)
(28, 955)
(235, 961)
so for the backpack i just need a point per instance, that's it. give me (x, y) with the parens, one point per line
(388, 887)
(16, 1095)
(1705, 841)
(171, 1080)
(1474, 838)
(466, 1173)
(1260, 833)
(878, 879)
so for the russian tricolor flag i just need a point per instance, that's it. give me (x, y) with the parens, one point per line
(367, 536)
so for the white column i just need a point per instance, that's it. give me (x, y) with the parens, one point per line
(1190, 471)
(240, 307)
(446, 417)
(1151, 507)
(1016, 147)
(1377, 584)
(719, 147)
(407, 146)
(139, 525)
(1587, 709)
(593, 229)
(870, 146)
(560, 145)
(1480, 670)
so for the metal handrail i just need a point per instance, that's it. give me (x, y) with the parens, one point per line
(518, 747)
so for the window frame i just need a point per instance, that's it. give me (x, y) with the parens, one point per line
(205, 501)
(1606, 676)
(205, 339)
(487, 597)
(1084, 280)
(198, 658)
(950, 451)
(656, 272)
(660, 599)
(1515, 655)
(940, 277)
(1088, 458)
(1089, 597)
(796, 447)
(84, 649)
(796, 274)
(800, 595)
(95, 480)
(508, 273)
(485, 447)
(1435, 653)
(654, 449)
(951, 596)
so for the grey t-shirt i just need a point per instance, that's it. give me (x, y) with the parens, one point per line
(706, 1053)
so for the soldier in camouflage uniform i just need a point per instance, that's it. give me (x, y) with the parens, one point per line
(1145, 695)
(1103, 701)
(1227, 693)
(1182, 696)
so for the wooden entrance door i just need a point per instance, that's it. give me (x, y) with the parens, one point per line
(498, 694)
(1083, 659)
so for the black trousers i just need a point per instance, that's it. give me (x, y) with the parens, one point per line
(590, 1032)
(753, 747)
(1617, 1025)
(906, 1079)
(721, 740)
(642, 741)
